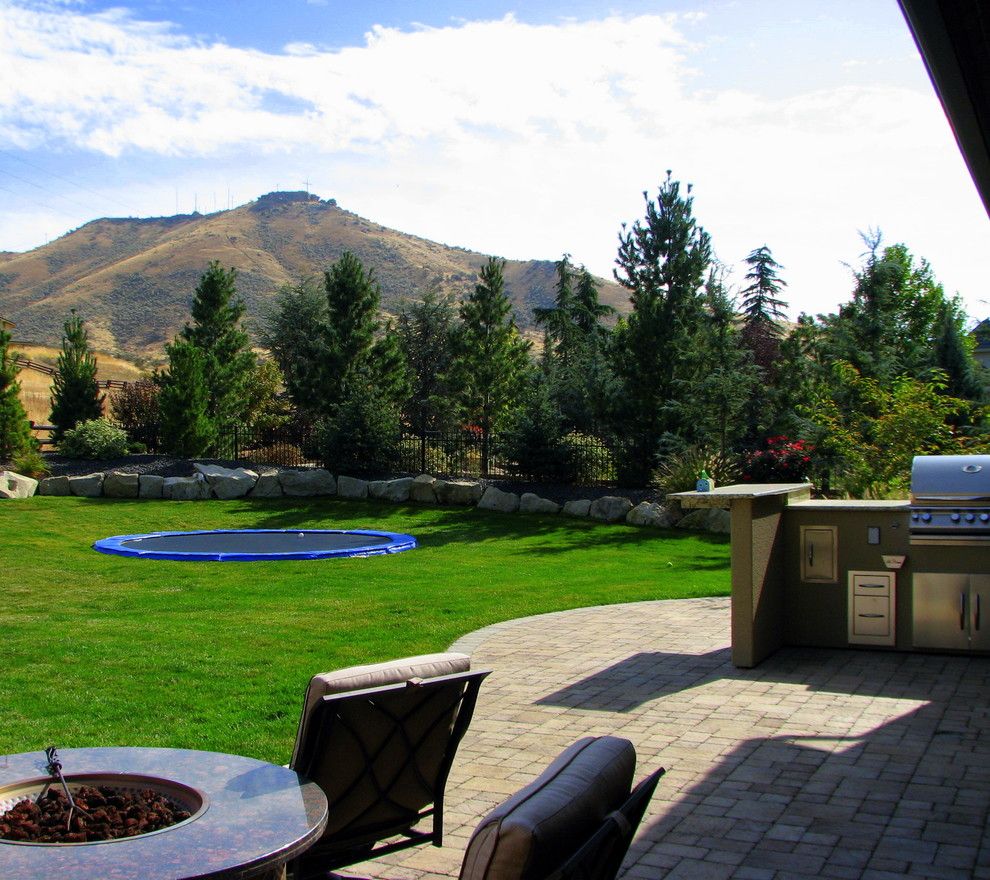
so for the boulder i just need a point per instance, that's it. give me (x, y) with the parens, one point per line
(649, 513)
(150, 486)
(16, 486)
(88, 486)
(55, 486)
(307, 481)
(532, 503)
(396, 491)
(578, 507)
(458, 491)
(610, 508)
(422, 491)
(496, 499)
(267, 486)
(227, 483)
(707, 519)
(117, 484)
(186, 488)
(352, 487)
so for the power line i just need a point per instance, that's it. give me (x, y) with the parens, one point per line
(64, 179)
(43, 189)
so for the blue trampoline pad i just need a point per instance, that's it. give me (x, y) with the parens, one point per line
(256, 545)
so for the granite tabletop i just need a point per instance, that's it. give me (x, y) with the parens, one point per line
(257, 816)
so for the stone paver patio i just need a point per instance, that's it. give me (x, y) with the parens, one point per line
(818, 763)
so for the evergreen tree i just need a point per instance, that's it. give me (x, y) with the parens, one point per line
(426, 336)
(954, 356)
(492, 356)
(228, 362)
(183, 400)
(15, 430)
(329, 339)
(663, 261)
(574, 362)
(724, 377)
(75, 393)
(763, 309)
(889, 327)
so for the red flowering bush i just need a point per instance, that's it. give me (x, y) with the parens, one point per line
(782, 461)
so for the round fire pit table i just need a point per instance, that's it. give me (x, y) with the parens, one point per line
(257, 816)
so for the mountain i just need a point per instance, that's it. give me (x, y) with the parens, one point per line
(132, 280)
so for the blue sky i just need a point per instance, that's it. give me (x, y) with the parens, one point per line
(524, 130)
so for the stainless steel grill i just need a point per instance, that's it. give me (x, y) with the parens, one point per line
(950, 500)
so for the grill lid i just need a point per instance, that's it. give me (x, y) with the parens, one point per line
(959, 478)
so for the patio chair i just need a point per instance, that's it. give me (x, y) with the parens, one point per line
(573, 822)
(380, 741)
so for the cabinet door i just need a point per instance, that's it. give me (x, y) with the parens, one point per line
(941, 610)
(818, 554)
(979, 612)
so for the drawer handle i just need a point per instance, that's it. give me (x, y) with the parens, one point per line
(872, 615)
(873, 586)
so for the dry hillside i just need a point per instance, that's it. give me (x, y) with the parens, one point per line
(132, 280)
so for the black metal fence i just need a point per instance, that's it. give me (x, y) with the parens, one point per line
(582, 459)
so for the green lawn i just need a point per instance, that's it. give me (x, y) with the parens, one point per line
(106, 650)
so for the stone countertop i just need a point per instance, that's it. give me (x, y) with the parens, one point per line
(259, 815)
(852, 504)
(723, 496)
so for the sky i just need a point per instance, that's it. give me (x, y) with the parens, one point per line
(525, 130)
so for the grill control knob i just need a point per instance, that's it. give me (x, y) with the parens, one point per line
(970, 517)
(954, 517)
(985, 517)
(926, 517)
(914, 517)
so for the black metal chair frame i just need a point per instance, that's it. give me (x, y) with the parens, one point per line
(601, 856)
(329, 719)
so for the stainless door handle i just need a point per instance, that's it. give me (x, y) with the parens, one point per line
(976, 612)
(811, 555)
(962, 611)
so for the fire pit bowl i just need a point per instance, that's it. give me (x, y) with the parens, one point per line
(252, 817)
(185, 797)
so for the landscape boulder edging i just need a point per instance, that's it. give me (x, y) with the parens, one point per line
(499, 501)
(13, 485)
(214, 481)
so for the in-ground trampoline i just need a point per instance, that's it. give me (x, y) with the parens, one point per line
(256, 545)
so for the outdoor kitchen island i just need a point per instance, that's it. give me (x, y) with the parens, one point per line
(885, 575)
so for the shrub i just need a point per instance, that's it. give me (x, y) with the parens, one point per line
(783, 461)
(679, 471)
(360, 435)
(30, 464)
(96, 438)
(135, 408)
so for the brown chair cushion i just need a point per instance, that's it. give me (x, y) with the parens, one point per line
(356, 678)
(539, 827)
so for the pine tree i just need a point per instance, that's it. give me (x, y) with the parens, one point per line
(763, 309)
(184, 399)
(75, 393)
(15, 430)
(663, 261)
(492, 356)
(953, 355)
(228, 362)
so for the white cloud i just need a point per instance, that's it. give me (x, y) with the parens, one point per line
(498, 135)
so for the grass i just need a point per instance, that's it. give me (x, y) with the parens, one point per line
(106, 650)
